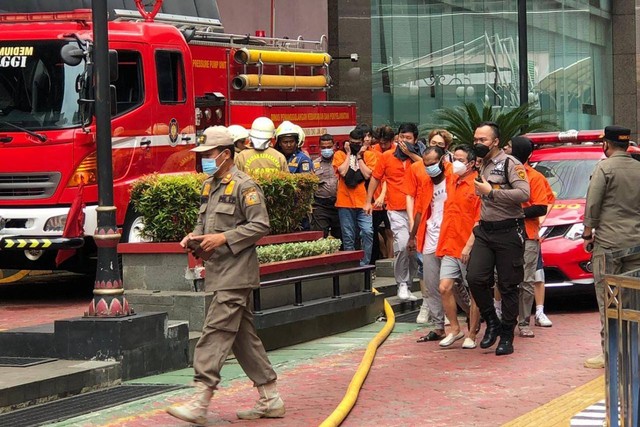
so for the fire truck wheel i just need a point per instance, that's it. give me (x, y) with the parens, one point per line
(132, 228)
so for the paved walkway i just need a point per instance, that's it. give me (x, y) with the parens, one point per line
(416, 384)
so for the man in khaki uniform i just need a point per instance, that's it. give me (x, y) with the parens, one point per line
(232, 218)
(611, 220)
(499, 237)
(261, 157)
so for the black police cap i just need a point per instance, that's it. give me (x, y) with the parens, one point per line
(617, 133)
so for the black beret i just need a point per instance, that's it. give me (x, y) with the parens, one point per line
(617, 133)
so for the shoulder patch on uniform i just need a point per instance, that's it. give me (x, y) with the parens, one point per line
(229, 189)
(251, 196)
(226, 179)
(305, 167)
(522, 173)
(206, 189)
(316, 165)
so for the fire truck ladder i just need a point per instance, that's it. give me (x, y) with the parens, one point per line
(254, 51)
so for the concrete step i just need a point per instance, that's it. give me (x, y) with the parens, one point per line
(25, 386)
(389, 287)
(384, 267)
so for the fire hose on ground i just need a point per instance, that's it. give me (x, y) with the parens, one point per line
(349, 400)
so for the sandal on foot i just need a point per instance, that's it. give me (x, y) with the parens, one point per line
(431, 336)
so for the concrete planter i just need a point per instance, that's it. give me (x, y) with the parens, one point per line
(154, 277)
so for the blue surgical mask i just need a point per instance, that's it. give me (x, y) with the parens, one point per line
(327, 153)
(433, 170)
(210, 166)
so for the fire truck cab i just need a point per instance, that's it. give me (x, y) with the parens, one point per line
(172, 77)
(567, 160)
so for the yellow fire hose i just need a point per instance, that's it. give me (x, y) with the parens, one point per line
(349, 400)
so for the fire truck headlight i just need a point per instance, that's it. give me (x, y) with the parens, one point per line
(575, 232)
(55, 223)
(86, 172)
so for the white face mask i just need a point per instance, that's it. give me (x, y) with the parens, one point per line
(459, 168)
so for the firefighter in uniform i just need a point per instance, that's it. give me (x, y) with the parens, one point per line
(611, 221)
(499, 236)
(287, 142)
(232, 218)
(261, 156)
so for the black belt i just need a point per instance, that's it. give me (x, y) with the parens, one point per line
(325, 201)
(502, 225)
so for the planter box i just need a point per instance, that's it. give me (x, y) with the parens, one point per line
(162, 266)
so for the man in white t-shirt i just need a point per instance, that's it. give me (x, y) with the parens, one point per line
(431, 181)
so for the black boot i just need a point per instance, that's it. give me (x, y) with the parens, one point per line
(505, 346)
(493, 328)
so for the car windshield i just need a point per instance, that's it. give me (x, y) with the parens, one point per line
(37, 89)
(569, 179)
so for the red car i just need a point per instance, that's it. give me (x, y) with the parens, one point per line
(567, 160)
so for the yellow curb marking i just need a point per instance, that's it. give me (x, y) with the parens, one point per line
(559, 411)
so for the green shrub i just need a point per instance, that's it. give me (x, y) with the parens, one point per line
(289, 198)
(285, 251)
(168, 203)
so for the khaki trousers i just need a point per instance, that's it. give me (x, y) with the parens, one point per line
(526, 294)
(603, 263)
(229, 327)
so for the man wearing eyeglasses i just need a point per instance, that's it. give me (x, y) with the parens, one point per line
(499, 236)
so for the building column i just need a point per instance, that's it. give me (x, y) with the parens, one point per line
(626, 54)
(350, 32)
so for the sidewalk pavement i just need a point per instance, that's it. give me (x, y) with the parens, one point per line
(410, 384)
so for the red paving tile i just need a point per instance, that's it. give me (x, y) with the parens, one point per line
(420, 384)
(18, 314)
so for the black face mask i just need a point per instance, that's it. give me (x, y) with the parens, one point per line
(355, 148)
(481, 150)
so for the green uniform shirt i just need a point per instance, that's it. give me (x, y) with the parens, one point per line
(613, 202)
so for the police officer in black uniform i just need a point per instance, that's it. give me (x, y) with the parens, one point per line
(499, 236)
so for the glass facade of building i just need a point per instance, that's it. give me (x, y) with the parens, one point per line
(431, 54)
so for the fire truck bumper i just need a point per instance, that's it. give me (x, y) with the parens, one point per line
(21, 243)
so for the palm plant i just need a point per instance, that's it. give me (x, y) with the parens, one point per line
(461, 121)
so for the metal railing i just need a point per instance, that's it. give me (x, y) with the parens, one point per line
(622, 321)
(297, 281)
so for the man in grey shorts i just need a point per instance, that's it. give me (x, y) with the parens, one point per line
(461, 212)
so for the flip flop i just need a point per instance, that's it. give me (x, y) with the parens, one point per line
(431, 336)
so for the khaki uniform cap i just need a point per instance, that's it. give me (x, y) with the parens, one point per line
(214, 136)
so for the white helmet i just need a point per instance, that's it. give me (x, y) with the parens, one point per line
(261, 133)
(301, 136)
(287, 128)
(238, 132)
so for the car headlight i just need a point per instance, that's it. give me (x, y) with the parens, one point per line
(56, 223)
(575, 232)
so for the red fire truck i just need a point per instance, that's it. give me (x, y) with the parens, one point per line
(567, 160)
(172, 76)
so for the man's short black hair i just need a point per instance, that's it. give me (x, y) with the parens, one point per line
(620, 145)
(408, 127)
(494, 126)
(231, 148)
(366, 129)
(356, 133)
(469, 151)
(326, 137)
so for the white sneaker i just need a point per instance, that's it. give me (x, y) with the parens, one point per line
(543, 320)
(404, 294)
(423, 316)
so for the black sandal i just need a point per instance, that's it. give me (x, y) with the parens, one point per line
(431, 336)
